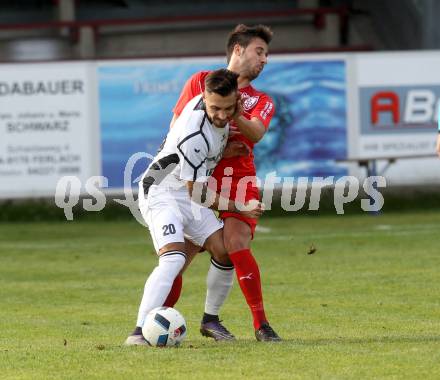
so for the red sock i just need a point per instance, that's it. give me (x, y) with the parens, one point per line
(248, 276)
(174, 293)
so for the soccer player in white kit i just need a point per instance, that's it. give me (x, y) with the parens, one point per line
(167, 196)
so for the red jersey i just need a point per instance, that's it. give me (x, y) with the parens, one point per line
(255, 104)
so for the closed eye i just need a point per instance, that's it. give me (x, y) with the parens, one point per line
(261, 51)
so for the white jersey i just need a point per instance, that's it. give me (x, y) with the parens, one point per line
(190, 152)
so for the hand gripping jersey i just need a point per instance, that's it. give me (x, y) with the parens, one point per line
(190, 152)
(255, 104)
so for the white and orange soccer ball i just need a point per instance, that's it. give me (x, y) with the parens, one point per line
(164, 327)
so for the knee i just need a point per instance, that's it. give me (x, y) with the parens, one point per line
(220, 254)
(236, 243)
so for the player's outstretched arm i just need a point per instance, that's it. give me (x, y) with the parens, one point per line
(203, 195)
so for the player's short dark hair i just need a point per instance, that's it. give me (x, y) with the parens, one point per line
(222, 82)
(243, 35)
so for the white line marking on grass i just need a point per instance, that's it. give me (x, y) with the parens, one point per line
(413, 230)
(383, 227)
(264, 230)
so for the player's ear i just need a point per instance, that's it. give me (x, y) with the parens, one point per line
(237, 49)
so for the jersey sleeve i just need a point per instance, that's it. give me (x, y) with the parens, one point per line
(193, 152)
(264, 110)
(191, 89)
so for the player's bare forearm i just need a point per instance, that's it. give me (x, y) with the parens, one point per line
(199, 193)
(253, 129)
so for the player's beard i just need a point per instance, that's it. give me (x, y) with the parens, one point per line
(216, 122)
(253, 74)
(219, 123)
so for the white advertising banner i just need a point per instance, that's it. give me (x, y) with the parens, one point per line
(47, 126)
(396, 105)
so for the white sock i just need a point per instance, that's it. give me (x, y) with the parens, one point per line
(159, 283)
(219, 283)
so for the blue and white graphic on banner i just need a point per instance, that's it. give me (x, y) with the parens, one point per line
(309, 128)
(306, 134)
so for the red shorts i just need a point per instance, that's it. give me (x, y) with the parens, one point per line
(243, 194)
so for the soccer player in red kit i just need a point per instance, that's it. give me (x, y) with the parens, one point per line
(247, 50)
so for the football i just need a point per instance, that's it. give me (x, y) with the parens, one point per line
(164, 327)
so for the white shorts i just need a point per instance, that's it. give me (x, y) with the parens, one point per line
(171, 217)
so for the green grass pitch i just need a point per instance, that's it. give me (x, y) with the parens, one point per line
(365, 305)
